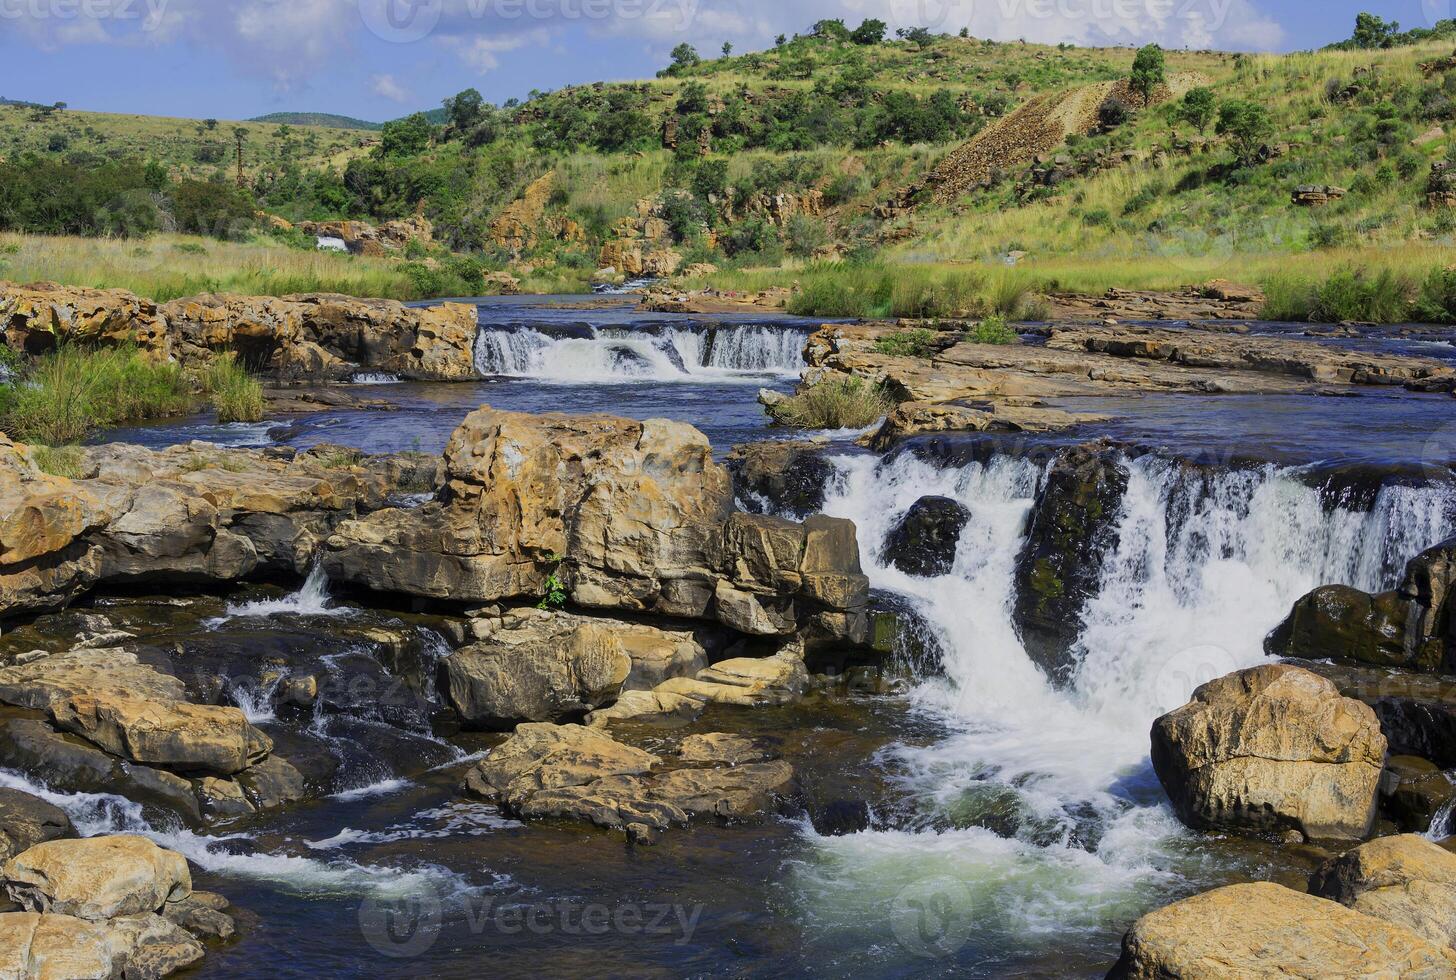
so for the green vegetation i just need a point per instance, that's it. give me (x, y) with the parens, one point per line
(1149, 71)
(64, 396)
(325, 120)
(1379, 296)
(236, 394)
(913, 342)
(1373, 31)
(555, 597)
(992, 330)
(63, 461)
(850, 403)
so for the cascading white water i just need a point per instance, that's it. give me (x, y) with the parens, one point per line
(745, 352)
(312, 599)
(1202, 570)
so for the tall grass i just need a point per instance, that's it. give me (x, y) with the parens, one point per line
(850, 403)
(236, 394)
(875, 290)
(1376, 296)
(66, 395)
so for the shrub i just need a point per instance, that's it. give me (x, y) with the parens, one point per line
(64, 461)
(1436, 301)
(851, 403)
(72, 392)
(1247, 126)
(805, 235)
(236, 394)
(1347, 294)
(915, 342)
(992, 330)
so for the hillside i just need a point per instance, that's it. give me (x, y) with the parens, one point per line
(948, 153)
(326, 120)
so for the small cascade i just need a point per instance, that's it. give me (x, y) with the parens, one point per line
(374, 378)
(257, 700)
(613, 354)
(329, 243)
(312, 599)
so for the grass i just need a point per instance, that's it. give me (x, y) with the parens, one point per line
(63, 461)
(850, 403)
(1375, 296)
(914, 342)
(992, 330)
(66, 395)
(236, 394)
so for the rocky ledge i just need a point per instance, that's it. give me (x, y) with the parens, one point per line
(1011, 387)
(319, 336)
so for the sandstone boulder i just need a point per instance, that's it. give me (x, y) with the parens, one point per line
(632, 516)
(58, 947)
(1270, 748)
(1406, 879)
(1267, 930)
(26, 821)
(97, 878)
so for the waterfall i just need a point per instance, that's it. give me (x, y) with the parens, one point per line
(311, 599)
(744, 352)
(1042, 799)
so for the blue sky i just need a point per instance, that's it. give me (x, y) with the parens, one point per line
(378, 59)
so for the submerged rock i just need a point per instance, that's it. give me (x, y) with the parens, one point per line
(1271, 748)
(925, 540)
(1267, 930)
(26, 821)
(1413, 791)
(1406, 880)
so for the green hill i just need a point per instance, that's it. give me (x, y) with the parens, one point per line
(324, 119)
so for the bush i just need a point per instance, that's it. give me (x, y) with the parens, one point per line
(1348, 294)
(71, 392)
(915, 342)
(1436, 301)
(236, 394)
(805, 235)
(850, 403)
(992, 330)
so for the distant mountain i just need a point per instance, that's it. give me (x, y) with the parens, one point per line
(317, 119)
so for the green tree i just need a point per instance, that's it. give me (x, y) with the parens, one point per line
(1247, 126)
(1198, 108)
(830, 29)
(870, 31)
(406, 137)
(1148, 72)
(683, 56)
(465, 110)
(919, 36)
(727, 48)
(1372, 31)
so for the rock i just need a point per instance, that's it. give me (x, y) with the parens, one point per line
(731, 750)
(26, 821)
(924, 542)
(1073, 523)
(44, 315)
(780, 477)
(632, 516)
(1412, 791)
(1406, 880)
(1412, 626)
(536, 674)
(1271, 748)
(657, 706)
(1267, 930)
(172, 735)
(841, 818)
(201, 914)
(744, 682)
(58, 947)
(97, 878)
(1316, 195)
(730, 794)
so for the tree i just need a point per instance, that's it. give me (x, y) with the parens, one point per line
(919, 36)
(683, 56)
(1148, 72)
(830, 29)
(211, 124)
(871, 31)
(780, 41)
(406, 137)
(1373, 32)
(465, 109)
(1198, 108)
(727, 48)
(1247, 126)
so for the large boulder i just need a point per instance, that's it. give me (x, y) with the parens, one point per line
(1271, 748)
(1405, 879)
(59, 947)
(925, 540)
(41, 316)
(1411, 626)
(780, 476)
(1073, 524)
(1266, 930)
(27, 820)
(626, 515)
(97, 878)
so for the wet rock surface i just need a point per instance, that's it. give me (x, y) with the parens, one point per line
(924, 542)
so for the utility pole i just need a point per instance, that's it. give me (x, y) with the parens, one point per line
(240, 134)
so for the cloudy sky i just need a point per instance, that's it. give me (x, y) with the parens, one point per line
(378, 59)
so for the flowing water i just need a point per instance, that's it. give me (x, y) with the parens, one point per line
(1016, 827)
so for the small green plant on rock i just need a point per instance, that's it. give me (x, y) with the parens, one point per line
(850, 403)
(555, 597)
(992, 330)
(915, 342)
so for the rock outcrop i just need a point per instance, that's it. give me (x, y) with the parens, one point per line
(925, 540)
(362, 238)
(630, 516)
(1406, 880)
(312, 336)
(26, 821)
(1267, 930)
(103, 908)
(1271, 748)
(1411, 626)
(191, 513)
(780, 476)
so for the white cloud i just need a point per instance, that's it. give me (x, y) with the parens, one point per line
(387, 87)
(482, 52)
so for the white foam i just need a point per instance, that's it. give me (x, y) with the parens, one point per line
(312, 599)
